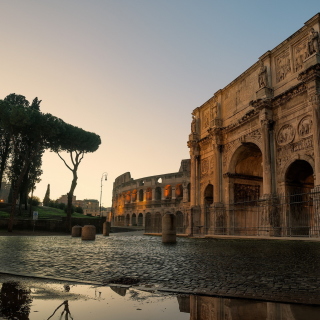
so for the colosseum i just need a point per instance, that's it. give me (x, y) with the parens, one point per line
(143, 201)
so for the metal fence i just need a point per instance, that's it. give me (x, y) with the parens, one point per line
(286, 215)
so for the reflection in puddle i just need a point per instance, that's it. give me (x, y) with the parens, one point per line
(35, 299)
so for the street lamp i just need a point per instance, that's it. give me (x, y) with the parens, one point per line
(105, 175)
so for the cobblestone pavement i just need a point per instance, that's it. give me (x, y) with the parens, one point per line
(261, 269)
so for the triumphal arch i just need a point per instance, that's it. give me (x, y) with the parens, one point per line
(255, 146)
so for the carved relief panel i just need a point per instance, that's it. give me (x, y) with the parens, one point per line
(285, 134)
(206, 120)
(283, 65)
(305, 126)
(300, 53)
(205, 166)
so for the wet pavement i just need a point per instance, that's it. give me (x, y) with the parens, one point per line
(286, 271)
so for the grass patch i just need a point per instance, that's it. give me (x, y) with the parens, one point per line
(48, 212)
(4, 214)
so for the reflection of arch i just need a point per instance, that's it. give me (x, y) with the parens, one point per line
(208, 194)
(149, 194)
(158, 193)
(147, 223)
(140, 219)
(140, 195)
(134, 195)
(179, 191)
(179, 221)
(167, 192)
(128, 219)
(134, 219)
(246, 172)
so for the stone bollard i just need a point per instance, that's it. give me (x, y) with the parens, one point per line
(89, 232)
(76, 231)
(106, 228)
(169, 230)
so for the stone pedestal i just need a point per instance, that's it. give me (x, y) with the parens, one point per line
(106, 228)
(76, 231)
(312, 60)
(169, 229)
(89, 232)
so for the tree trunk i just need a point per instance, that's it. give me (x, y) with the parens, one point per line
(15, 192)
(70, 196)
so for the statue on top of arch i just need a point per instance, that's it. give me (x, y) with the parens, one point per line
(313, 42)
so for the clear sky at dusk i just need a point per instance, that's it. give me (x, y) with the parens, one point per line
(132, 71)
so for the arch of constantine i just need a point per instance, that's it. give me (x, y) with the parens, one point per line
(255, 146)
(143, 201)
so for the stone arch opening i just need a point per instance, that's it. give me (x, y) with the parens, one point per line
(127, 219)
(158, 193)
(246, 173)
(299, 180)
(140, 195)
(148, 223)
(167, 192)
(179, 221)
(128, 197)
(189, 192)
(134, 195)
(179, 191)
(299, 177)
(158, 222)
(149, 194)
(140, 219)
(134, 219)
(208, 194)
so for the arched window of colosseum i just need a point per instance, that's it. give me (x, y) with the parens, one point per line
(147, 223)
(158, 193)
(208, 194)
(134, 219)
(141, 183)
(159, 180)
(167, 192)
(140, 219)
(127, 219)
(299, 183)
(134, 195)
(140, 195)
(189, 192)
(179, 217)
(149, 194)
(128, 197)
(179, 191)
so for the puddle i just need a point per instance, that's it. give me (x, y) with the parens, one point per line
(23, 299)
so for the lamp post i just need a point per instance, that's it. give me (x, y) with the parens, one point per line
(105, 175)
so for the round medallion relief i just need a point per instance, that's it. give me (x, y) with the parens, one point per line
(305, 126)
(285, 135)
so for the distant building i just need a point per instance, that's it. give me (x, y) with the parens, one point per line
(64, 199)
(91, 207)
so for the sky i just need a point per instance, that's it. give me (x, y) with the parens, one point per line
(132, 71)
